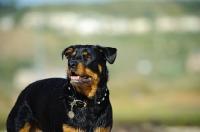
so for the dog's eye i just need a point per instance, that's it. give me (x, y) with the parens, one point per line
(88, 58)
(70, 57)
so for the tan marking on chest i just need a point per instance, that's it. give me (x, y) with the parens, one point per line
(100, 68)
(30, 128)
(102, 129)
(67, 128)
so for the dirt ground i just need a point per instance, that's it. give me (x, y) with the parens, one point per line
(151, 128)
(155, 128)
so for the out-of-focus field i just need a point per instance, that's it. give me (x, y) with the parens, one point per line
(153, 83)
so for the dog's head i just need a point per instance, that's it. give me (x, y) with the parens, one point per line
(87, 66)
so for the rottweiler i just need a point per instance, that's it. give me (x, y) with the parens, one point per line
(79, 103)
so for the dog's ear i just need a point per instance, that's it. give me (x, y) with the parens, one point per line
(67, 51)
(109, 53)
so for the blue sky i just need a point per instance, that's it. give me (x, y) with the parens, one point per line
(21, 3)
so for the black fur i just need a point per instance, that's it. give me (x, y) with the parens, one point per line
(45, 104)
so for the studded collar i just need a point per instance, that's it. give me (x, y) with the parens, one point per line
(81, 104)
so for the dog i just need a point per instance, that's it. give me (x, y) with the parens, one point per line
(79, 103)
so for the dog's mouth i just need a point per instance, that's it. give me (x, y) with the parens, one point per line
(75, 78)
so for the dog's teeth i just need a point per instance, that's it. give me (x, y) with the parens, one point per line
(75, 77)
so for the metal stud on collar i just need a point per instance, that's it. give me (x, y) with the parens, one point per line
(99, 102)
(103, 97)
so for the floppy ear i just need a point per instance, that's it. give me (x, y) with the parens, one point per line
(109, 53)
(66, 51)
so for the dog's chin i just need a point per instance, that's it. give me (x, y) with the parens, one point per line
(80, 80)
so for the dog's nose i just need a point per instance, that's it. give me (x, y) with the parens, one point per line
(73, 64)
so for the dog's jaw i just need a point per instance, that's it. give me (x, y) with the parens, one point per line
(84, 80)
(79, 79)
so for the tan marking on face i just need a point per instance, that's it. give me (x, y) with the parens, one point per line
(101, 50)
(102, 129)
(100, 68)
(67, 128)
(30, 128)
(85, 53)
(74, 53)
(79, 70)
(88, 89)
(69, 50)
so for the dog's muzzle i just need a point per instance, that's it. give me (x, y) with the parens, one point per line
(75, 76)
(73, 64)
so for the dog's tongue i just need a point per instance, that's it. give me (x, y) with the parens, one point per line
(80, 79)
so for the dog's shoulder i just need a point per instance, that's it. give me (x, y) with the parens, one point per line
(45, 88)
(48, 83)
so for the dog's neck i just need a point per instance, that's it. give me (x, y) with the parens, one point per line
(91, 90)
(102, 94)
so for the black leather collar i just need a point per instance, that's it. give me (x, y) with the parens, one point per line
(80, 103)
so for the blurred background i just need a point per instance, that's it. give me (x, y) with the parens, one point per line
(155, 80)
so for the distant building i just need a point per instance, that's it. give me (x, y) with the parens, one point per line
(73, 23)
